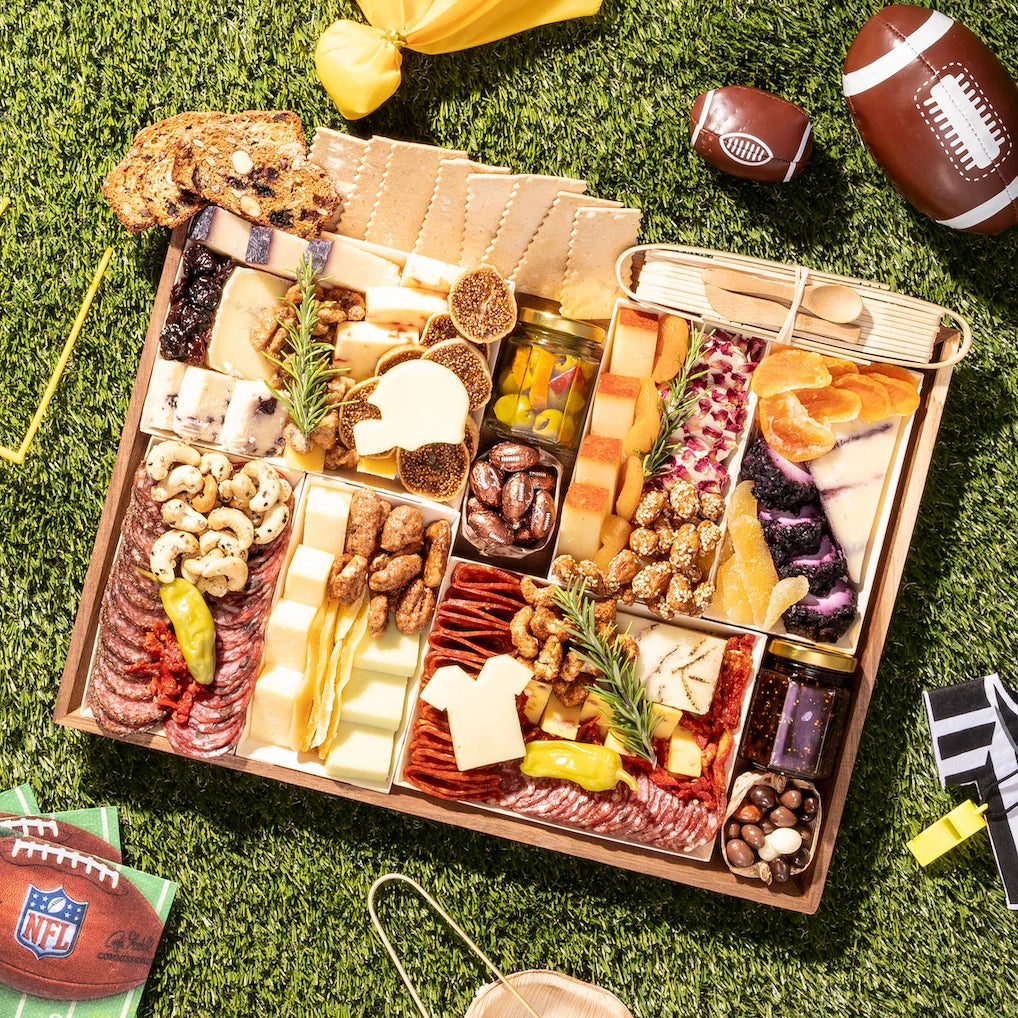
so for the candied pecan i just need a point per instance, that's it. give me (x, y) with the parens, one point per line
(403, 530)
(327, 431)
(621, 570)
(439, 538)
(652, 580)
(348, 578)
(710, 535)
(330, 313)
(397, 572)
(644, 542)
(379, 561)
(684, 500)
(296, 439)
(264, 328)
(367, 514)
(519, 632)
(340, 458)
(378, 615)
(414, 607)
(650, 505)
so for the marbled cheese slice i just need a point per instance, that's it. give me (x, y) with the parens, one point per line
(677, 667)
(246, 295)
(851, 479)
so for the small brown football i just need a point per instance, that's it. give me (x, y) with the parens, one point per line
(939, 113)
(751, 133)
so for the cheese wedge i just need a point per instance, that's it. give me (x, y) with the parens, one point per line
(246, 294)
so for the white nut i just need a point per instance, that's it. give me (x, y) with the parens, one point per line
(223, 541)
(249, 206)
(225, 518)
(238, 490)
(164, 455)
(167, 549)
(233, 569)
(191, 568)
(214, 586)
(267, 479)
(272, 524)
(179, 515)
(182, 479)
(217, 464)
(242, 163)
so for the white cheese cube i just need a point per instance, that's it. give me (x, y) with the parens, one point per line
(402, 305)
(352, 265)
(429, 274)
(307, 574)
(325, 516)
(246, 295)
(360, 344)
(202, 403)
(360, 753)
(560, 720)
(254, 421)
(538, 693)
(634, 343)
(163, 390)
(286, 635)
(393, 652)
(374, 699)
(271, 709)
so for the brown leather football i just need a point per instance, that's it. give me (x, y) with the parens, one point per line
(939, 113)
(751, 133)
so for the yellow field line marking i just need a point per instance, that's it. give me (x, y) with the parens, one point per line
(17, 456)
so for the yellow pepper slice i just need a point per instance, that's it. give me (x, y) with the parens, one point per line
(595, 768)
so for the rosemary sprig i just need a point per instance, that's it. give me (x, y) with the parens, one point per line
(677, 405)
(617, 685)
(309, 365)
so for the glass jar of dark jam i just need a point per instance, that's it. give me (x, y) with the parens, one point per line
(799, 709)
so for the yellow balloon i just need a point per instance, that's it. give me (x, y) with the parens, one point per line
(359, 65)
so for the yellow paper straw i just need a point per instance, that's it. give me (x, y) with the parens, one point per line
(4, 202)
(18, 456)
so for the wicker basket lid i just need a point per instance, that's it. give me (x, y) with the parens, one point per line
(551, 994)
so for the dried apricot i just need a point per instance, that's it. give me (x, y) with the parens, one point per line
(876, 403)
(904, 396)
(830, 405)
(790, 431)
(786, 368)
(892, 371)
(630, 487)
(839, 366)
(672, 345)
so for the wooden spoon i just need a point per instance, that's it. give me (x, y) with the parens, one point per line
(768, 314)
(834, 302)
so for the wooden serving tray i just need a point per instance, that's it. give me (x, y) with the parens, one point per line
(801, 894)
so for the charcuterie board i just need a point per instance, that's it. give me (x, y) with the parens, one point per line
(802, 894)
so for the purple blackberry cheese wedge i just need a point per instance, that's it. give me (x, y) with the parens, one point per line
(791, 532)
(823, 568)
(778, 483)
(826, 618)
(851, 480)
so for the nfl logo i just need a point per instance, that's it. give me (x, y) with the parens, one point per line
(49, 922)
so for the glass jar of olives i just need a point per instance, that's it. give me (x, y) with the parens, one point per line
(544, 378)
(799, 709)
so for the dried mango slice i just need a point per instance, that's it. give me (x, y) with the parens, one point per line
(785, 593)
(904, 396)
(830, 405)
(785, 369)
(732, 594)
(754, 563)
(876, 403)
(790, 431)
(614, 537)
(743, 501)
(838, 366)
(647, 420)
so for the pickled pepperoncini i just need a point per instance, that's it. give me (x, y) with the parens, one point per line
(595, 768)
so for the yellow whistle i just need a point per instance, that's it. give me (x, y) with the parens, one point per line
(948, 832)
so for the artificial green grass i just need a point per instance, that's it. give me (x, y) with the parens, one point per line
(270, 916)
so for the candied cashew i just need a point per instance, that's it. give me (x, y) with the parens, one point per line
(549, 661)
(396, 573)
(439, 538)
(415, 605)
(519, 631)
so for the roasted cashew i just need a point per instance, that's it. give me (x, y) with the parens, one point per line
(180, 480)
(179, 515)
(285, 491)
(205, 500)
(214, 586)
(267, 479)
(222, 541)
(272, 524)
(225, 518)
(234, 570)
(217, 464)
(191, 568)
(164, 455)
(167, 549)
(238, 490)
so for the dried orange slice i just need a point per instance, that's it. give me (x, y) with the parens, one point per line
(790, 431)
(892, 371)
(830, 405)
(904, 396)
(785, 369)
(839, 366)
(876, 403)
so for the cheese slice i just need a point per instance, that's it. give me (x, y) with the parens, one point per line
(538, 693)
(560, 720)
(393, 652)
(374, 699)
(163, 390)
(254, 421)
(286, 635)
(360, 753)
(202, 403)
(246, 295)
(684, 755)
(634, 343)
(678, 667)
(272, 705)
(326, 511)
(851, 479)
(429, 274)
(402, 305)
(360, 344)
(483, 720)
(421, 402)
(307, 574)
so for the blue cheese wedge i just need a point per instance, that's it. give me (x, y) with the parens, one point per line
(202, 403)
(163, 390)
(678, 667)
(254, 421)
